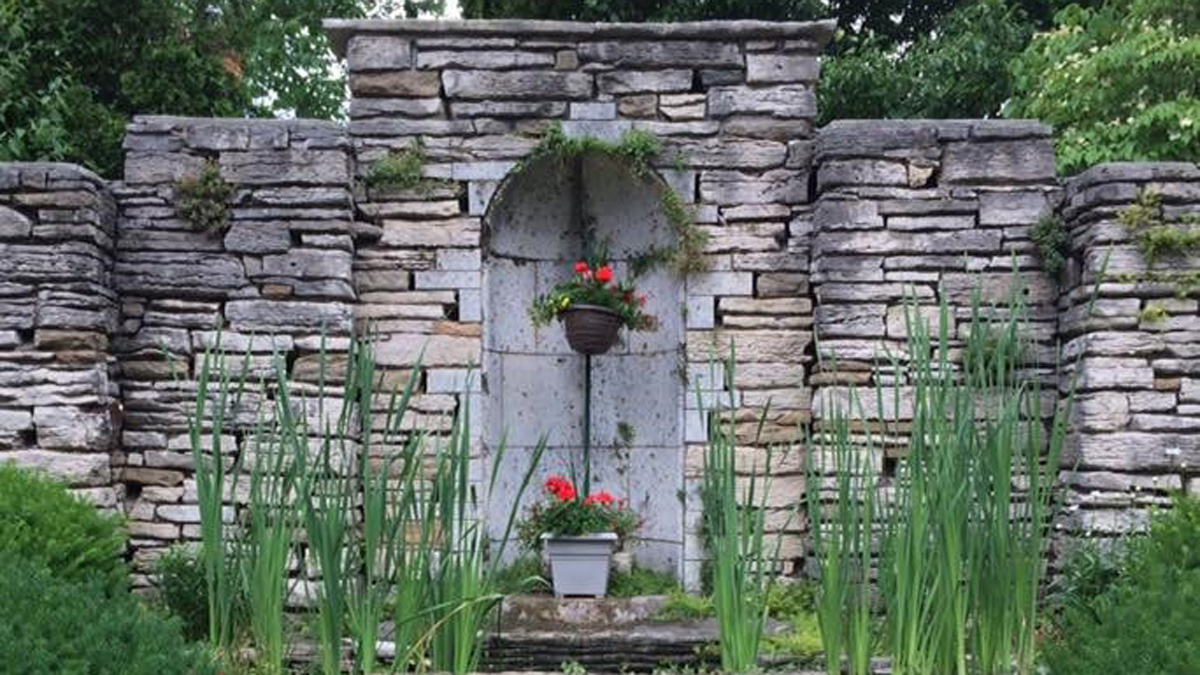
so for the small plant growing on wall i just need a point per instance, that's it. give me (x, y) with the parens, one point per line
(1052, 240)
(203, 200)
(636, 150)
(399, 169)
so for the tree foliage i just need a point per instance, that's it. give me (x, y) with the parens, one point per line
(960, 71)
(74, 71)
(1119, 82)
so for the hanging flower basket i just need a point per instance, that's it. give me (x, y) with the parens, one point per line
(591, 329)
(593, 307)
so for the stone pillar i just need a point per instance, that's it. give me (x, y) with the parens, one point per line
(1132, 330)
(59, 409)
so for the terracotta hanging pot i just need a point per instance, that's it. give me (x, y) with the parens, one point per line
(591, 329)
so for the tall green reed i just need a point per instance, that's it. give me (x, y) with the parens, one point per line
(267, 542)
(842, 541)
(216, 386)
(963, 522)
(734, 522)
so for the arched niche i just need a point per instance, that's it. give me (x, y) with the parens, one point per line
(534, 231)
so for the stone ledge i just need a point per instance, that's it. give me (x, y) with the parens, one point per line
(819, 32)
(1133, 172)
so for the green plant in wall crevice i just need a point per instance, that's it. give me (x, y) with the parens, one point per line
(203, 200)
(637, 151)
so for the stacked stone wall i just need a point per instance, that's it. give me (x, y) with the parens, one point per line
(910, 215)
(276, 283)
(109, 298)
(59, 403)
(1131, 345)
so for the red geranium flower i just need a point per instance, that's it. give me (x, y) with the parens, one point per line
(604, 274)
(581, 268)
(560, 487)
(603, 498)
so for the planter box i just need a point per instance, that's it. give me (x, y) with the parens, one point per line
(579, 565)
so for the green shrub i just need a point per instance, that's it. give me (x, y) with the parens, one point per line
(54, 626)
(183, 592)
(524, 575)
(686, 607)
(1146, 622)
(41, 521)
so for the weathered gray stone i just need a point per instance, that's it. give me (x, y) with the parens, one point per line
(378, 52)
(250, 236)
(197, 274)
(637, 82)
(781, 101)
(419, 83)
(733, 187)
(517, 84)
(483, 59)
(847, 215)
(77, 469)
(288, 316)
(286, 166)
(856, 172)
(1012, 162)
(309, 264)
(634, 53)
(775, 68)
(13, 224)
(405, 107)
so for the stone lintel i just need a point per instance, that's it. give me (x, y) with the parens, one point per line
(819, 32)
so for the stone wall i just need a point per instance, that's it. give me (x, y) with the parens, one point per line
(1133, 331)
(108, 298)
(733, 103)
(59, 404)
(913, 214)
(279, 280)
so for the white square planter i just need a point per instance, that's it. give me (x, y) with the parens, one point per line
(579, 565)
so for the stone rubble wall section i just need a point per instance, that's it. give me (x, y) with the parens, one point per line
(277, 282)
(736, 117)
(59, 403)
(910, 214)
(1136, 372)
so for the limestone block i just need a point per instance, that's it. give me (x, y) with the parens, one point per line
(250, 236)
(288, 316)
(856, 172)
(594, 110)
(836, 214)
(302, 263)
(1024, 161)
(734, 187)
(411, 83)
(1102, 372)
(13, 225)
(378, 52)
(539, 396)
(1012, 208)
(781, 68)
(638, 105)
(683, 106)
(780, 101)
(78, 469)
(313, 167)
(652, 411)
(404, 350)
(644, 81)
(477, 84)
(70, 428)
(721, 283)
(733, 153)
(189, 274)
(664, 53)
(919, 223)
(460, 233)
(851, 320)
(1132, 451)
(701, 312)
(483, 59)
(503, 109)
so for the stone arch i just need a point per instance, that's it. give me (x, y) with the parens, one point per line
(534, 230)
